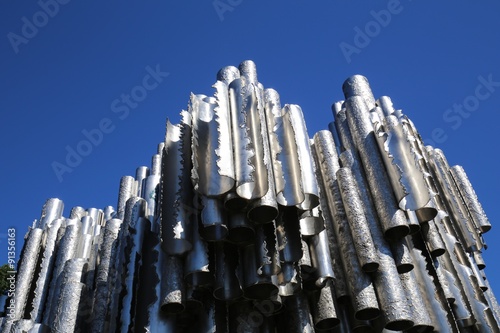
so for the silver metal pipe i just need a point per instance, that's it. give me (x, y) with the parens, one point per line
(48, 257)
(402, 165)
(156, 164)
(241, 230)
(470, 199)
(451, 197)
(255, 285)
(26, 270)
(196, 268)
(358, 224)
(177, 204)
(130, 291)
(401, 255)
(288, 235)
(359, 283)
(286, 168)
(213, 166)
(68, 305)
(103, 275)
(357, 85)
(246, 116)
(321, 260)
(324, 308)
(52, 210)
(298, 318)
(66, 250)
(289, 279)
(392, 219)
(226, 284)
(172, 295)
(213, 219)
(393, 303)
(311, 222)
(141, 173)
(77, 212)
(127, 190)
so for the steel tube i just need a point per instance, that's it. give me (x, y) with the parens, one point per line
(391, 217)
(358, 225)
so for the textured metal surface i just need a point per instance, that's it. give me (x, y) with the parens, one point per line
(48, 257)
(250, 168)
(26, 270)
(213, 166)
(67, 308)
(391, 217)
(127, 190)
(66, 250)
(470, 199)
(173, 296)
(51, 211)
(402, 164)
(360, 286)
(242, 223)
(358, 225)
(141, 173)
(103, 275)
(176, 194)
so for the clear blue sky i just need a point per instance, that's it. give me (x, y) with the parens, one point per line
(67, 74)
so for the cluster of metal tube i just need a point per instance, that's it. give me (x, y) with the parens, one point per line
(245, 224)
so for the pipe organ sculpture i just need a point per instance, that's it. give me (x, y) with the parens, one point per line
(243, 223)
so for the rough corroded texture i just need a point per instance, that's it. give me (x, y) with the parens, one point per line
(470, 199)
(102, 282)
(127, 190)
(67, 250)
(360, 230)
(173, 295)
(47, 264)
(68, 304)
(391, 217)
(26, 270)
(359, 283)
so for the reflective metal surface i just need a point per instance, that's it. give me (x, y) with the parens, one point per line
(245, 223)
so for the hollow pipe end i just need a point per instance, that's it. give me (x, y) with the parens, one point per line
(262, 214)
(397, 232)
(367, 314)
(404, 268)
(172, 308)
(241, 235)
(399, 325)
(425, 214)
(370, 267)
(214, 232)
(327, 324)
(262, 290)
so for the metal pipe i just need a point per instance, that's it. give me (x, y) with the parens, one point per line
(52, 210)
(141, 173)
(213, 219)
(359, 283)
(470, 199)
(67, 310)
(48, 257)
(177, 204)
(213, 166)
(103, 275)
(358, 225)
(26, 270)
(391, 217)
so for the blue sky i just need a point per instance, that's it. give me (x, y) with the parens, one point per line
(70, 73)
